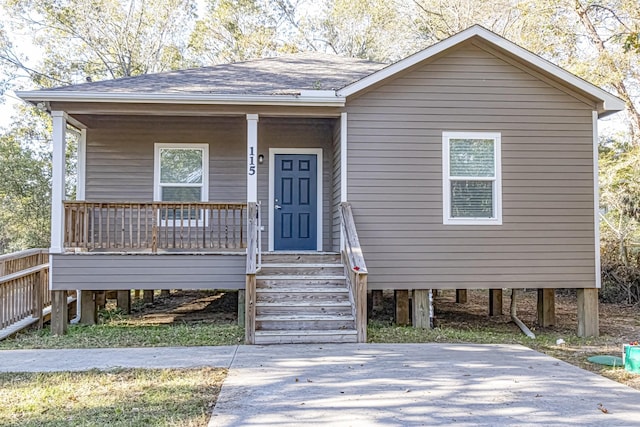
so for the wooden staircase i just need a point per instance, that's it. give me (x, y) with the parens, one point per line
(303, 298)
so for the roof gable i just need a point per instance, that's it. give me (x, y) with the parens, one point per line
(608, 103)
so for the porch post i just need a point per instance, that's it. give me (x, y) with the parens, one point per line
(59, 313)
(58, 181)
(82, 165)
(252, 158)
(343, 168)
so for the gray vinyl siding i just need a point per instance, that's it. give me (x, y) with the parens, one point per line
(395, 178)
(120, 152)
(113, 272)
(336, 186)
(120, 155)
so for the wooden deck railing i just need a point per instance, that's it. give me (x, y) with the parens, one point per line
(154, 226)
(356, 270)
(24, 289)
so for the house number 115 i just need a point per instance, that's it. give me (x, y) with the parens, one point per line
(252, 164)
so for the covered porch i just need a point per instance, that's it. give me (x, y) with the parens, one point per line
(192, 201)
(136, 194)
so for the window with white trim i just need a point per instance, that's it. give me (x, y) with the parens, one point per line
(181, 175)
(472, 187)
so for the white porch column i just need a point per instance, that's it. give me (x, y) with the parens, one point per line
(343, 167)
(252, 158)
(58, 181)
(82, 165)
(343, 157)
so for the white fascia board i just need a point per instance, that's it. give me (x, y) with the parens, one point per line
(308, 98)
(610, 103)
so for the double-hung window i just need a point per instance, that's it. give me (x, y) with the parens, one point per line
(181, 175)
(472, 190)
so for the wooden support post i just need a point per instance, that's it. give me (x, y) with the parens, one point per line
(402, 307)
(59, 313)
(124, 301)
(147, 296)
(421, 309)
(250, 310)
(546, 307)
(165, 293)
(461, 296)
(38, 298)
(376, 301)
(88, 308)
(241, 308)
(360, 295)
(588, 322)
(495, 302)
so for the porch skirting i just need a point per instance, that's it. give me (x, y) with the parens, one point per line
(121, 271)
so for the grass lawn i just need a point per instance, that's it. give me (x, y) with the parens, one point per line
(133, 397)
(129, 334)
(183, 319)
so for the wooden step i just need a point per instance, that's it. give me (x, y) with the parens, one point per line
(302, 298)
(299, 277)
(305, 322)
(294, 288)
(303, 258)
(277, 283)
(303, 308)
(291, 269)
(305, 337)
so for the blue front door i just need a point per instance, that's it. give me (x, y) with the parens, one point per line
(295, 202)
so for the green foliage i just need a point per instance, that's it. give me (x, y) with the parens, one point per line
(234, 31)
(620, 218)
(25, 175)
(104, 39)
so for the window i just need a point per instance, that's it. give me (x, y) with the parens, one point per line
(472, 192)
(181, 175)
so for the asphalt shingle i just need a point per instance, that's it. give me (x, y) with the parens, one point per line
(272, 76)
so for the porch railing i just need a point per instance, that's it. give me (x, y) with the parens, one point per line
(124, 226)
(24, 289)
(356, 270)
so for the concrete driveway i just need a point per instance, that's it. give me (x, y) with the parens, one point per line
(376, 384)
(416, 385)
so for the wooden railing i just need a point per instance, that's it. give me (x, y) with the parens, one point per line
(24, 289)
(154, 226)
(356, 270)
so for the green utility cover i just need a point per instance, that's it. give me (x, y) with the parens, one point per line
(606, 360)
(632, 358)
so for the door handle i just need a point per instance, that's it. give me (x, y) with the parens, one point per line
(277, 207)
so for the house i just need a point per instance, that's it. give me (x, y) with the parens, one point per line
(307, 180)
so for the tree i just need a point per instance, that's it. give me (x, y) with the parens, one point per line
(234, 30)
(103, 39)
(25, 176)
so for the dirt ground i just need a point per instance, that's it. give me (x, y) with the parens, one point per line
(619, 324)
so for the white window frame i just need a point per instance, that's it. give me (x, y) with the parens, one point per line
(447, 179)
(157, 186)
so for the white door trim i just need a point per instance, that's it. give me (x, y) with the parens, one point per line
(319, 167)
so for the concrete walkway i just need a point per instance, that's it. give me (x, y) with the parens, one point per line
(377, 384)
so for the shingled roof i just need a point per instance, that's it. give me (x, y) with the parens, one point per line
(283, 75)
